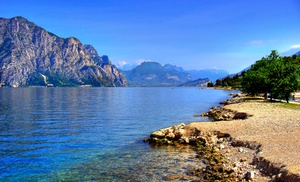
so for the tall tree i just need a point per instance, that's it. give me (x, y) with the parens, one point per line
(273, 74)
(285, 78)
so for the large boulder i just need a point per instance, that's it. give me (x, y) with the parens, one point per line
(240, 115)
(157, 134)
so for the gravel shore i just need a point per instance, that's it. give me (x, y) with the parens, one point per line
(273, 133)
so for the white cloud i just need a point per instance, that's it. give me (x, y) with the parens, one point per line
(295, 46)
(260, 42)
(256, 42)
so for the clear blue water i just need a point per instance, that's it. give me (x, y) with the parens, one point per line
(82, 134)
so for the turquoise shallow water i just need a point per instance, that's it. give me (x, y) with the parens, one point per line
(81, 134)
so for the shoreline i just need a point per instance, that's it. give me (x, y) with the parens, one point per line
(262, 147)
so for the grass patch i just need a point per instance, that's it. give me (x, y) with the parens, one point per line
(294, 106)
(254, 99)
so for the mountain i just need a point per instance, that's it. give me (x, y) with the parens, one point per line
(173, 68)
(31, 56)
(154, 74)
(199, 82)
(291, 52)
(212, 74)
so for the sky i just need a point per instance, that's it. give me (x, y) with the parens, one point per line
(194, 34)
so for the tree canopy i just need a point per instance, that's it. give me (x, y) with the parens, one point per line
(276, 75)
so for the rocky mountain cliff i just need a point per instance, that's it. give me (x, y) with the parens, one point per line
(154, 74)
(31, 56)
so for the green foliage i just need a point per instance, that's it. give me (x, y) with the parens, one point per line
(228, 81)
(36, 79)
(273, 74)
(210, 84)
(58, 80)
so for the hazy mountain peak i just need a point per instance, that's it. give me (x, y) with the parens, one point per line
(154, 74)
(291, 52)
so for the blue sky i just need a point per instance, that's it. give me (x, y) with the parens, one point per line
(194, 34)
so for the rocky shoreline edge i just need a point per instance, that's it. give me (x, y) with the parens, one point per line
(224, 157)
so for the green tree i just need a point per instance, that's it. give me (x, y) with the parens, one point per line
(285, 78)
(255, 80)
(273, 74)
(218, 82)
(210, 84)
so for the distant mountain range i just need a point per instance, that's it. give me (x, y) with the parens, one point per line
(154, 74)
(32, 56)
(291, 52)
(211, 74)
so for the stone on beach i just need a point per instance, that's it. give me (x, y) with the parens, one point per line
(240, 115)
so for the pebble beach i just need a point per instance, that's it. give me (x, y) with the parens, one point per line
(263, 147)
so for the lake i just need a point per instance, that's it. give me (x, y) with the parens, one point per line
(95, 134)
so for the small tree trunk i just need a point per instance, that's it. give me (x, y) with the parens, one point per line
(266, 95)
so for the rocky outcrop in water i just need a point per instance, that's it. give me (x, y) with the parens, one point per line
(222, 157)
(31, 56)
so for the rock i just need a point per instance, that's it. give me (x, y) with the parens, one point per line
(220, 114)
(173, 177)
(170, 136)
(241, 149)
(234, 100)
(244, 159)
(250, 175)
(221, 146)
(146, 140)
(202, 139)
(213, 140)
(186, 140)
(222, 135)
(157, 134)
(240, 115)
(166, 130)
(179, 133)
(221, 140)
